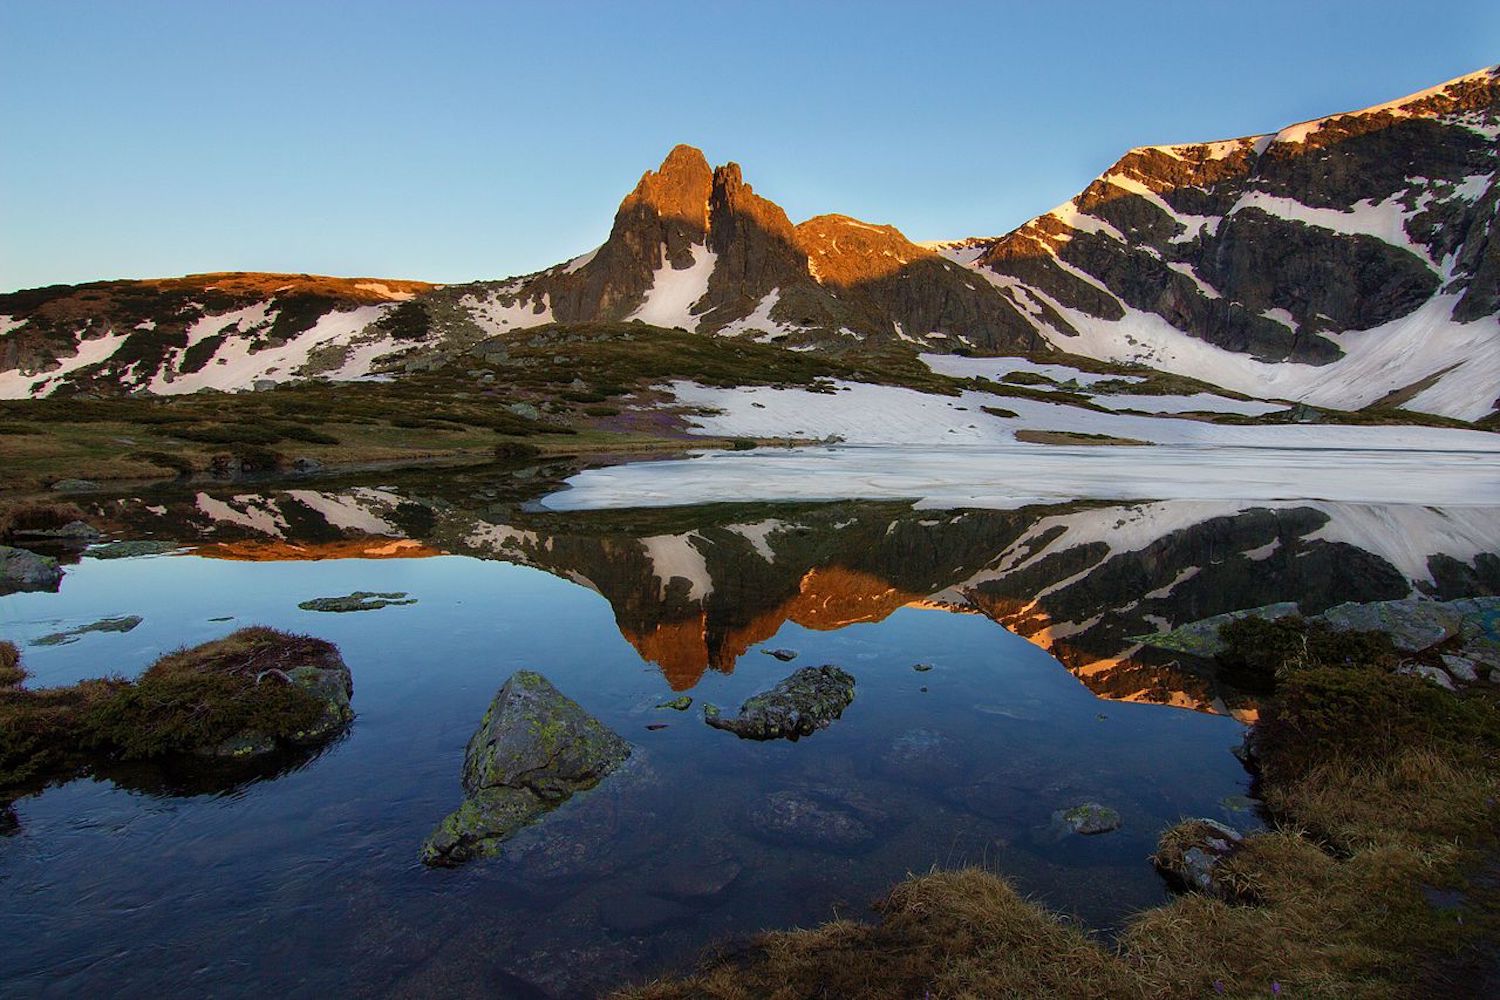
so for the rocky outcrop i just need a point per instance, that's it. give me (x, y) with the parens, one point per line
(533, 750)
(22, 570)
(799, 706)
(1263, 245)
(831, 280)
(1197, 855)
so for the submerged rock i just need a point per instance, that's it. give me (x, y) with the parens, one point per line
(805, 702)
(23, 570)
(1194, 855)
(121, 624)
(1088, 819)
(633, 913)
(681, 703)
(131, 549)
(697, 878)
(805, 820)
(784, 655)
(534, 748)
(922, 757)
(360, 600)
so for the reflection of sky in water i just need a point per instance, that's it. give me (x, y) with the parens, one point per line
(310, 882)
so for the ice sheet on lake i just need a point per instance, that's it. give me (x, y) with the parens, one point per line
(1007, 476)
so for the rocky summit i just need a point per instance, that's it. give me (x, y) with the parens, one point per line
(1343, 262)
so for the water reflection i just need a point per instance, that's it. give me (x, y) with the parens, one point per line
(309, 883)
(694, 589)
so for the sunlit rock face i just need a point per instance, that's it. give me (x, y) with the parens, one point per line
(696, 589)
(696, 247)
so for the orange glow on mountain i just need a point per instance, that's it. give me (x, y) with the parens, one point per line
(275, 550)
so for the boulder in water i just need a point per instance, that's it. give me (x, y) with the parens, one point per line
(805, 702)
(533, 750)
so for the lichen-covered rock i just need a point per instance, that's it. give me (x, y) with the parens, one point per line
(1088, 819)
(1195, 854)
(1429, 673)
(534, 748)
(360, 600)
(22, 570)
(1412, 624)
(1460, 668)
(805, 702)
(1201, 638)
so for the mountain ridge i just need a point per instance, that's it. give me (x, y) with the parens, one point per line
(1341, 261)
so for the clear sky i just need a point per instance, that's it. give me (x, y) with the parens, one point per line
(451, 141)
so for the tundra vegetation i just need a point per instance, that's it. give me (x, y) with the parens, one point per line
(249, 693)
(560, 389)
(1376, 878)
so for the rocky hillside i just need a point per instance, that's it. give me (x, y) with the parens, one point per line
(1343, 261)
(204, 331)
(1346, 261)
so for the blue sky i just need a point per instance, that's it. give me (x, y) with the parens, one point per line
(451, 141)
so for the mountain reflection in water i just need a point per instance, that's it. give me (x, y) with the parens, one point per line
(693, 589)
(301, 877)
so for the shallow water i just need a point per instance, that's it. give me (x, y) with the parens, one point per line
(305, 880)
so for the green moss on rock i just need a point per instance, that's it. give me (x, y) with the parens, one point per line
(533, 750)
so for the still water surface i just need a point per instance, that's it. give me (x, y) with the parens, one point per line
(305, 881)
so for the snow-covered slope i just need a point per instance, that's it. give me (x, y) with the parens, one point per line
(1343, 261)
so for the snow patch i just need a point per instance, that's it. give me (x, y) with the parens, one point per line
(673, 293)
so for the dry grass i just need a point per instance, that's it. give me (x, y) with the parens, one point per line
(11, 671)
(949, 934)
(1074, 438)
(1418, 798)
(36, 516)
(186, 700)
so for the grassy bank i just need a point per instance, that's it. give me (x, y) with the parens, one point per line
(557, 390)
(1383, 790)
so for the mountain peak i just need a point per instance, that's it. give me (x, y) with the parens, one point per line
(678, 190)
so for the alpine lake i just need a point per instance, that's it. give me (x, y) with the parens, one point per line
(999, 683)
